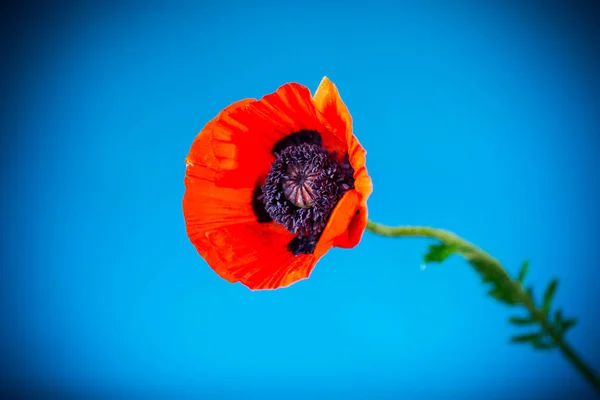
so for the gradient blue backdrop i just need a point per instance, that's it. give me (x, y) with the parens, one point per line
(481, 120)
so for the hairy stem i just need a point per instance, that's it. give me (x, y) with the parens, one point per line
(472, 252)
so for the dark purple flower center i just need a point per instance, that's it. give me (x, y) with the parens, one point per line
(298, 182)
(302, 188)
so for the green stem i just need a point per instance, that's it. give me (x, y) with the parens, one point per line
(567, 350)
(472, 252)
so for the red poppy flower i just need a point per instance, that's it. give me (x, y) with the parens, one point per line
(273, 184)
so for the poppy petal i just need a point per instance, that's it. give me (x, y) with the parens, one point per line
(335, 231)
(355, 230)
(358, 220)
(207, 205)
(358, 223)
(200, 152)
(333, 109)
(243, 140)
(256, 255)
(330, 104)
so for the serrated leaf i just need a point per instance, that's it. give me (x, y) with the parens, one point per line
(529, 337)
(558, 317)
(567, 324)
(439, 252)
(487, 270)
(502, 296)
(501, 284)
(549, 295)
(498, 295)
(558, 321)
(522, 321)
(523, 271)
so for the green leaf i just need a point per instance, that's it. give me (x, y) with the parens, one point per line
(522, 321)
(549, 295)
(529, 337)
(489, 272)
(502, 286)
(439, 252)
(498, 294)
(568, 324)
(502, 295)
(558, 318)
(523, 271)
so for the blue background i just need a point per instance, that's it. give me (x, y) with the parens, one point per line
(482, 120)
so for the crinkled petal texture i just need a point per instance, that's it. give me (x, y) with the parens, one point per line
(231, 157)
